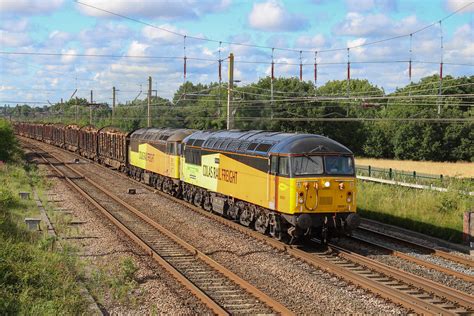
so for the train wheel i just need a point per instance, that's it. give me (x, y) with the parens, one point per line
(261, 223)
(198, 198)
(246, 216)
(233, 212)
(207, 202)
(276, 229)
(187, 194)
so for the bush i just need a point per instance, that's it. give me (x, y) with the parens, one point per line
(8, 145)
(7, 199)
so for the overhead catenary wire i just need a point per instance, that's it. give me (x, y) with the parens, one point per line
(269, 47)
(273, 62)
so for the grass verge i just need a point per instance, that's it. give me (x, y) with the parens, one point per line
(35, 279)
(433, 213)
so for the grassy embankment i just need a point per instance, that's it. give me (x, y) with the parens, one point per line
(35, 278)
(433, 213)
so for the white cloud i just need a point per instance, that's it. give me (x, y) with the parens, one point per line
(14, 24)
(29, 6)
(357, 24)
(139, 70)
(161, 36)
(5, 88)
(273, 16)
(453, 5)
(368, 5)
(137, 49)
(54, 82)
(9, 39)
(187, 9)
(461, 47)
(310, 42)
(67, 59)
(59, 35)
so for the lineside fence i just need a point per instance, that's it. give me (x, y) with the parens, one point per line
(414, 179)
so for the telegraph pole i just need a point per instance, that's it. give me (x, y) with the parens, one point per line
(230, 118)
(62, 111)
(90, 108)
(113, 105)
(75, 102)
(149, 102)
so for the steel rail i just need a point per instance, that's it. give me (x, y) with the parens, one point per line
(463, 299)
(163, 263)
(437, 252)
(415, 260)
(216, 308)
(411, 302)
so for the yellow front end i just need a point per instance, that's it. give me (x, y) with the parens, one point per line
(152, 159)
(316, 195)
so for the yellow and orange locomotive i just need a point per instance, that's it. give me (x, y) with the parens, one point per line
(287, 185)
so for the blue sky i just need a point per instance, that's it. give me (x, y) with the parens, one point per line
(60, 26)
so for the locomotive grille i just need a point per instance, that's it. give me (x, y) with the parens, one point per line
(325, 200)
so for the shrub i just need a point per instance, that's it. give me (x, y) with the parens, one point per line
(8, 145)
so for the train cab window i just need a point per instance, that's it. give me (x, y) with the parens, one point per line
(192, 156)
(284, 166)
(171, 148)
(307, 165)
(274, 165)
(339, 165)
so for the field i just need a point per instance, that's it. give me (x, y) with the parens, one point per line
(452, 169)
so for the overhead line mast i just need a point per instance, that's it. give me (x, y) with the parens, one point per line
(230, 87)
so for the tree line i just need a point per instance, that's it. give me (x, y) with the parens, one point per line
(404, 124)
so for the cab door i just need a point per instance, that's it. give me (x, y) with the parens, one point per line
(272, 182)
(171, 164)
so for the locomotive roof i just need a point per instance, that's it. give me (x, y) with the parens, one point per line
(264, 143)
(161, 134)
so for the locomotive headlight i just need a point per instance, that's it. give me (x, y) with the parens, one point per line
(327, 184)
(301, 200)
(349, 197)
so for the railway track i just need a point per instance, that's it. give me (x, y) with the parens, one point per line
(434, 297)
(424, 249)
(405, 256)
(414, 293)
(220, 289)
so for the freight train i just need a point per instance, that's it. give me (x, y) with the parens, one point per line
(290, 186)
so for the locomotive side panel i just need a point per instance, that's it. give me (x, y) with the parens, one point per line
(236, 176)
